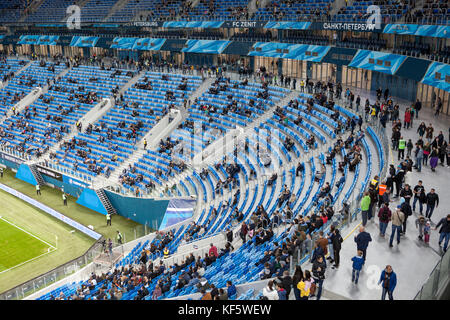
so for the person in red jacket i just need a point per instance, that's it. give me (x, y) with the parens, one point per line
(244, 230)
(213, 251)
(384, 215)
(407, 118)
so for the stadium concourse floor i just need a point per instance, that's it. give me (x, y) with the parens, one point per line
(412, 260)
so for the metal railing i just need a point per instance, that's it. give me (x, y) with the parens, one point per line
(23, 156)
(34, 285)
(343, 221)
(140, 231)
(438, 281)
(23, 290)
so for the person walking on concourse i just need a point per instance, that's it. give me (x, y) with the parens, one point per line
(388, 281)
(362, 241)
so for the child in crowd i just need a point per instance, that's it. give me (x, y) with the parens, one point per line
(358, 262)
(420, 224)
(427, 231)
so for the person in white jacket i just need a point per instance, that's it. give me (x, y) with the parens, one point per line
(270, 292)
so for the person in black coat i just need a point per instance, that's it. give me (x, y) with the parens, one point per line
(362, 241)
(299, 169)
(390, 178)
(143, 259)
(419, 195)
(405, 207)
(395, 138)
(384, 198)
(264, 259)
(286, 282)
(417, 107)
(336, 241)
(317, 252)
(229, 236)
(398, 179)
(432, 202)
(406, 193)
(142, 292)
(318, 271)
(444, 232)
(373, 193)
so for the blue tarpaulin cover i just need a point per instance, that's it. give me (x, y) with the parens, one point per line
(377, 61)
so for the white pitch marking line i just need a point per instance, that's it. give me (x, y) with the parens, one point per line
(53, 247)
(22, 263)
(37, 257)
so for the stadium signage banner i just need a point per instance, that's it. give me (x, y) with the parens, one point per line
(155, 24)
(154, 44)
(137, 43)
(51, 25)
(439, 31)
(438, 75)
(50, 173)
(52, 212)
(377, 61)
(289, 51)
(244, 24)
(11, 158)
(418, 30)
(48, 40)
(338, 26)
(286, 25)
(74, 182)
(122, 43)
(200, 24)
(107, 25)
(192, 24)
(282, 25)
(78, 41)
(206, 46)
(38, 40)
(28, 39)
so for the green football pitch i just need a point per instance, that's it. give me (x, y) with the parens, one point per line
(33, 242)
(19, 246)
(28, 234)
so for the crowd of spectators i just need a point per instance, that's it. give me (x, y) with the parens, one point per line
(295, 10)
(390, 10)
(13, 10)
(432, 11)
(217, 10)
(5, 69)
